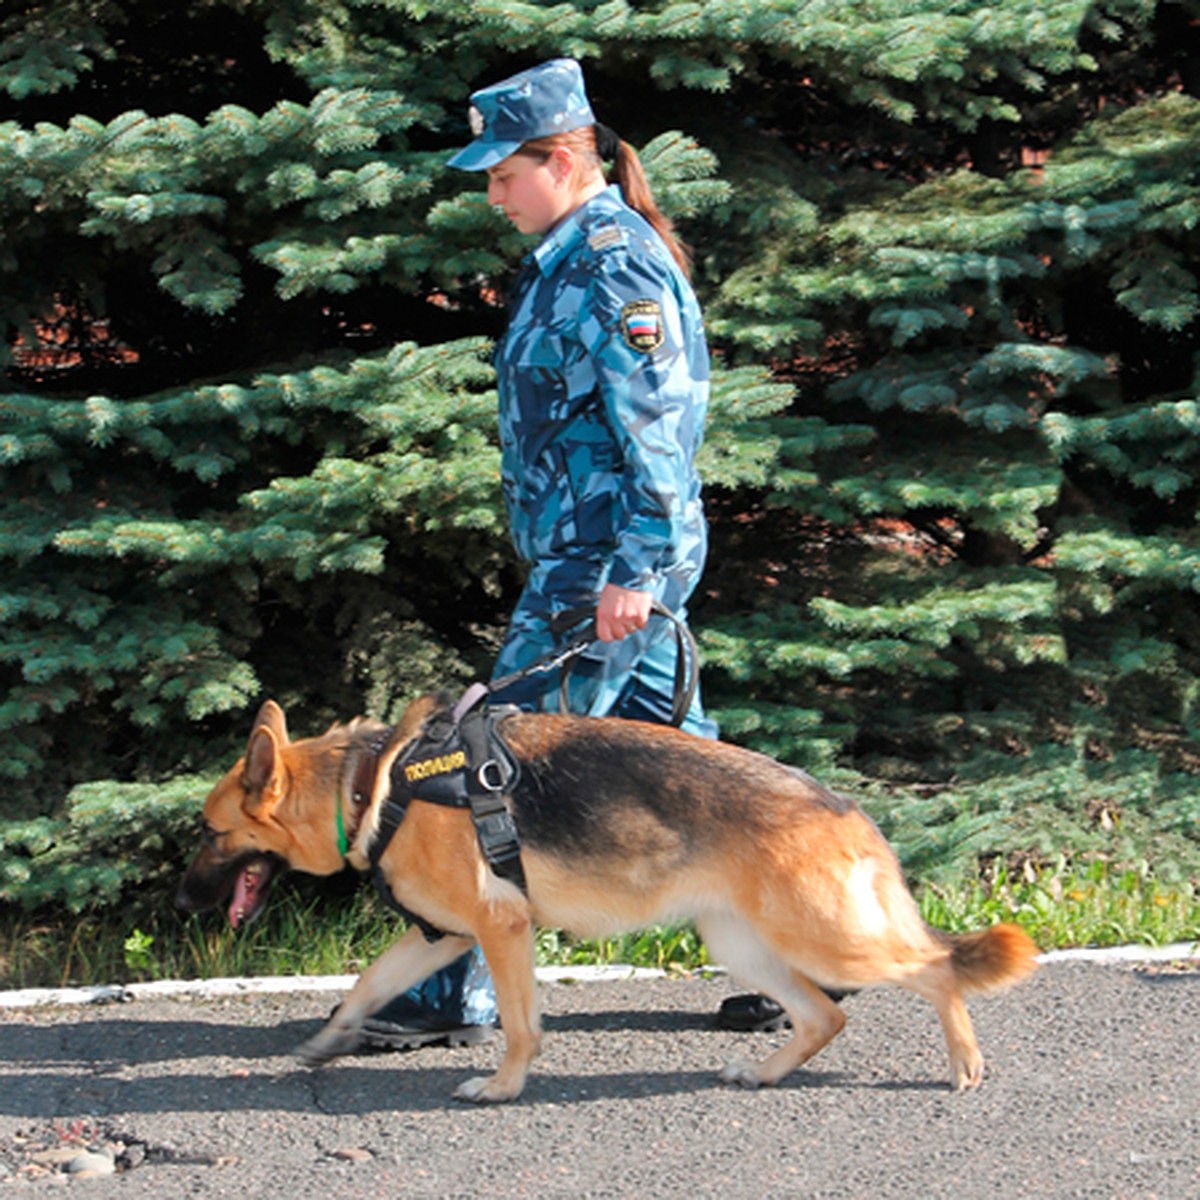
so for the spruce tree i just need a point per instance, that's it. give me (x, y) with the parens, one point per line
(247, 434)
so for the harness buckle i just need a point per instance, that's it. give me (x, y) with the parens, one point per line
(498, 836)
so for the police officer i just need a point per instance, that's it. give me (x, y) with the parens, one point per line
(603, 385)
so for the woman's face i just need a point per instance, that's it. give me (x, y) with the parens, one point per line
(532, 191)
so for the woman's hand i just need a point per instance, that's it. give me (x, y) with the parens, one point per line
(620, 612)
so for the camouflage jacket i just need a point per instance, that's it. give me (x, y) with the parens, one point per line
(603, 383)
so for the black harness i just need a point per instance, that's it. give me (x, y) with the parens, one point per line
(459, 761)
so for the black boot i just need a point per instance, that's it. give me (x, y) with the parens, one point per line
(751, 1014)
(403, 1024)
(760, 1014)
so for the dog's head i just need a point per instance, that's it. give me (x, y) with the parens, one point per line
(275, 809)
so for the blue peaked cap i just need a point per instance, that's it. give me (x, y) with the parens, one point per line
(546, 99)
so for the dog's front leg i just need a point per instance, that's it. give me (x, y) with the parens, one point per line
(397, 969)
(507, 944)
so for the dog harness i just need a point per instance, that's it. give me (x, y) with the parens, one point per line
(459, 761)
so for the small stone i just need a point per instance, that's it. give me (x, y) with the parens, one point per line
(57, 1156)
(91, 1165)
(354, 1154)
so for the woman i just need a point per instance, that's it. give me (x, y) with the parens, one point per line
(603, 384)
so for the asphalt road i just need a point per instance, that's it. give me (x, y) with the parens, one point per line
(1093, 1089)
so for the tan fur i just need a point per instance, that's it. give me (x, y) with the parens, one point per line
(801, 895)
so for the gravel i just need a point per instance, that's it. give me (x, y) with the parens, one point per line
(1092, 1090)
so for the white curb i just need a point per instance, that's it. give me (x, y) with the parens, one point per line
(207, 989)
(1179, 952)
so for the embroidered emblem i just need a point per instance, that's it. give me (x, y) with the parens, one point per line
(642, 325)
(475, 119)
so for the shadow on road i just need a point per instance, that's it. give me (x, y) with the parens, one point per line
(106, 1064)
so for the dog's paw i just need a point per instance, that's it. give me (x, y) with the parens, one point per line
(744, 1074)
(968, 1074)
(483, 1089)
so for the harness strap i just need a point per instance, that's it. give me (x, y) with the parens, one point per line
(391, 816)
(493, 771)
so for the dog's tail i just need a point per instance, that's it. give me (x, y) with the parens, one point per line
(992, 958)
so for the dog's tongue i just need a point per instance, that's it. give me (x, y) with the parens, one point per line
(245, 893)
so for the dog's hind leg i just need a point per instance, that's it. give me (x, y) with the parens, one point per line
(507, 944)
(816, 1019)
(937, 984)
(403, 964)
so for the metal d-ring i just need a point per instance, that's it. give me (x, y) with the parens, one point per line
(482, 776)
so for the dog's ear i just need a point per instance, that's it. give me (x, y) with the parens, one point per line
(262, 774)
(271, 717)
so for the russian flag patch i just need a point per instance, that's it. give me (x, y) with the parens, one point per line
(642, 325)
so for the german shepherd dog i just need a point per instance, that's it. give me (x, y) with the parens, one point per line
(622, 824)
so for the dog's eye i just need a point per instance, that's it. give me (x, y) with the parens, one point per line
(207, 833)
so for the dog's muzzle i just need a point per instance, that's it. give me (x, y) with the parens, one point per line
(244, 882)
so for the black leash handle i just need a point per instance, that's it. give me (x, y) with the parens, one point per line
(687, 654)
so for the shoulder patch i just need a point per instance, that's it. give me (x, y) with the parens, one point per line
(605, 236)
(642, 325)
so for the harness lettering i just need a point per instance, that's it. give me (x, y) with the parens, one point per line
(443, 764)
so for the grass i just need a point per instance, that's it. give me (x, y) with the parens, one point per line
(299, 935)
(1061, 907)
(1067, 905)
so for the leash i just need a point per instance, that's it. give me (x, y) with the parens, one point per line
(687, 660)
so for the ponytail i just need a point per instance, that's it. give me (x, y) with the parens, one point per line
(597, 144)
(627, 171)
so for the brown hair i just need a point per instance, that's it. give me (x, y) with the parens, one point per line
(626, 171)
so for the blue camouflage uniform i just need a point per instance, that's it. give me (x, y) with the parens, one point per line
(603, 382)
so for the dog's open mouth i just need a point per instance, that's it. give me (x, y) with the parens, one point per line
(250, 891)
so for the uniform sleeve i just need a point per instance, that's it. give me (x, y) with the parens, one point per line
(647, 361)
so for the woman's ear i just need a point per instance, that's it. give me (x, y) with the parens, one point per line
(561, 164)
